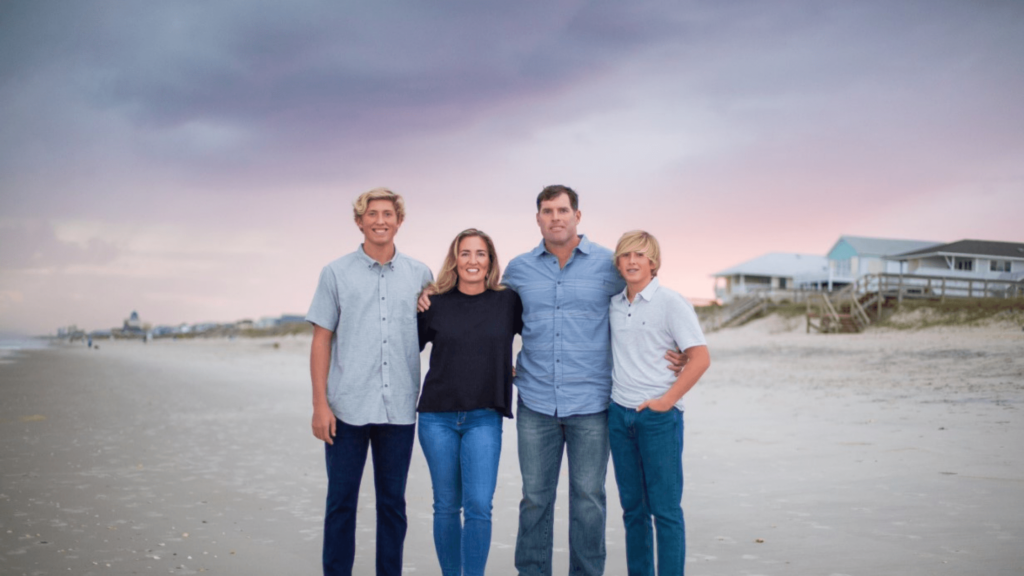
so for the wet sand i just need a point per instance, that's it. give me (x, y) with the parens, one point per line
(879, 453)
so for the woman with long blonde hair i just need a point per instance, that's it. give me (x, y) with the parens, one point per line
(471, 323)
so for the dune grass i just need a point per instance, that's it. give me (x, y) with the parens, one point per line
(915, 315)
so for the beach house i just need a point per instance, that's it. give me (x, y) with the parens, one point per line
(971, 268)
(777, 276)
(979, 259)
(854, 256)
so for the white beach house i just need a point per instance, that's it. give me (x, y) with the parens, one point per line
(966, 259)
(854, 256)
(776, 275)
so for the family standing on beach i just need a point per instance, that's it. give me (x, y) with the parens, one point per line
(596, 330)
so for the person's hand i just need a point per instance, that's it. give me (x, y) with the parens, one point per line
(657, 404)
(324, 423)
(423, 302)
(676, 360)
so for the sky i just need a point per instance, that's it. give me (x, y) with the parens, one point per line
(196, 161)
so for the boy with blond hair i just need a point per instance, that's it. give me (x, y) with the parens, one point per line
(645, 417)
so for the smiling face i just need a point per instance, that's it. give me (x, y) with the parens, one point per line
(472, 264)
(379, 223)
(557, 221)
(636, 268)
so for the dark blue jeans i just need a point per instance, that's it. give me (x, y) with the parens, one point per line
(542, 440)
(647, 453)
(392, 451)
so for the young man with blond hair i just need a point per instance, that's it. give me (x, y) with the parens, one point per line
(645, 418)
(365, 370)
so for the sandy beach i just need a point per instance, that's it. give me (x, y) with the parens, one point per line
(888, 452)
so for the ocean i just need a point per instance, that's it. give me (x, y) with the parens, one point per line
(12, 344)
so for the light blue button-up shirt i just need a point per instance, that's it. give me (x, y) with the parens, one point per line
(565, 365)
(374, 376)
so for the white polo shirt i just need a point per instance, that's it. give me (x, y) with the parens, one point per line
(659, 319)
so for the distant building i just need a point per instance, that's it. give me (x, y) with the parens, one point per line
(966, 259)
(776, 275)
(266, 322)
(854, 256)
(132, 324)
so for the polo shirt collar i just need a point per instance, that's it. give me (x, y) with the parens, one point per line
(370, 261)
(647, 293)
(584, 246)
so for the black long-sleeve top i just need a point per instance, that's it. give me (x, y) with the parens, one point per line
(471, 358)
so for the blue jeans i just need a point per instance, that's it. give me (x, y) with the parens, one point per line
(647, 452)
(462, 451)
(392, 451)
(542, 439)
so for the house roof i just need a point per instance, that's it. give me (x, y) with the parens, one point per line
(865, 246)
(1013, 250)
(780, 264)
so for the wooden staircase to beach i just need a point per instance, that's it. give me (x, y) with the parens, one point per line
(738, 312)
(851, 309)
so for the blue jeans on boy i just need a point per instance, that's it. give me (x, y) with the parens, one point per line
(542, 439)
(392, 451)
(647, 454)
(462, 450)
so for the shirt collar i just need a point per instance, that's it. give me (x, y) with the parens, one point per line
(584, 246)
(370, 261)
(647, 293)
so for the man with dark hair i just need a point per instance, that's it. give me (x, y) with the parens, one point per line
(556, 190)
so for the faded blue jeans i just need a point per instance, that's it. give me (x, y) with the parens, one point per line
(462, 450)
(542, 439)
(647, 452)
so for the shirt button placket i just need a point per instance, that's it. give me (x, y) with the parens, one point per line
(559, 300)
(382, 290)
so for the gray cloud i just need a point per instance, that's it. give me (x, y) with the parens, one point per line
(231, 94)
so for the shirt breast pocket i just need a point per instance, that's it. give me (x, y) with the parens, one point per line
(590, 295)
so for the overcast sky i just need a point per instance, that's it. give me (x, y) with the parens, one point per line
(196, 161)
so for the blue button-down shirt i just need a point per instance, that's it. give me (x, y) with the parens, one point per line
(565, 365)
(375, 354)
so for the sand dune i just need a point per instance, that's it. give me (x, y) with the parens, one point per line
(891, 452)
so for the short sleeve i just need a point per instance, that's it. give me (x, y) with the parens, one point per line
(324, 311)
(684, 325)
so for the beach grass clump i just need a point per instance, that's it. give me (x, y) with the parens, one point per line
(956, 312)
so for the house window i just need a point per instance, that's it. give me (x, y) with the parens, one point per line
(999, 265)
(965, 264)
(842, 268)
